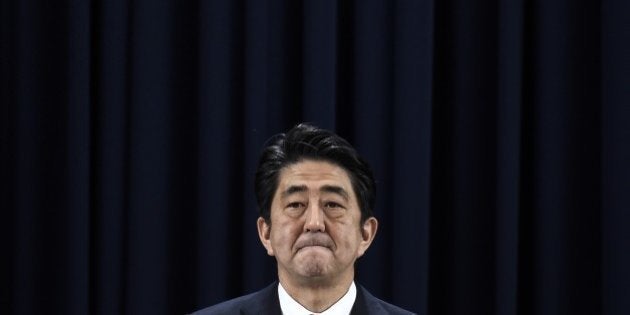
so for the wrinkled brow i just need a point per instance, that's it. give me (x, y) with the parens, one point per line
(326, 188)
(336, 190)
(293, 190)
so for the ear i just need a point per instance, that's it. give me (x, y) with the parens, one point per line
(368, 231)
(264, 233)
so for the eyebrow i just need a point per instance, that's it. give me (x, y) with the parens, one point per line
(326, 188)
(293, 190)
(336, 190)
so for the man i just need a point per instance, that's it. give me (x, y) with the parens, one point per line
(315, 196)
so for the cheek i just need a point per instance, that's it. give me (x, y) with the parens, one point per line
(347, 238)
(283, 236)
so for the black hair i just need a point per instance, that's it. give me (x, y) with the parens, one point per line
(307, 142)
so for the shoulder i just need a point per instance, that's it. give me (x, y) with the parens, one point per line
(247, 304)
(229, 307)
(379, 306)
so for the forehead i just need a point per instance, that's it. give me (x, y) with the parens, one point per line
(314, 174)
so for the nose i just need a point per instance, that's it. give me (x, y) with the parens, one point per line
(314, 218)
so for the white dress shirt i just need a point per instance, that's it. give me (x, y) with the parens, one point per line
(290, 306)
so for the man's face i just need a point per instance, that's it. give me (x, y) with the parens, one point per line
(315, 231)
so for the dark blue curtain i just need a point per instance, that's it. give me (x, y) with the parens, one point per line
(498, 132)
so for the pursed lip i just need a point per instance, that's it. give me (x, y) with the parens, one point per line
(319, 241)
(310, 246)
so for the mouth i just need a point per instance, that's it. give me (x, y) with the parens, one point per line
(314, 244)
(313, 249)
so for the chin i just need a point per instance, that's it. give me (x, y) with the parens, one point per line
(313, 267)
(313, 270)
(313, 262)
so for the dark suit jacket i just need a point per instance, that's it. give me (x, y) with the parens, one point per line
(266, 302)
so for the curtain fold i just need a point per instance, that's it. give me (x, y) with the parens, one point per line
(614, 155)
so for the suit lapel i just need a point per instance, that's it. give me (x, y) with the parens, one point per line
(360, 305)
(266, 302)
(366, 303)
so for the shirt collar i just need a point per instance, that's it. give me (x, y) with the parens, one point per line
(341, 307)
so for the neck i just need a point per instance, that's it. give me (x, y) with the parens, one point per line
(316, 296)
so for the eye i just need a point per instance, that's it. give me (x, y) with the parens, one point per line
(295, 209)
(295, 205)
(332, 205)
